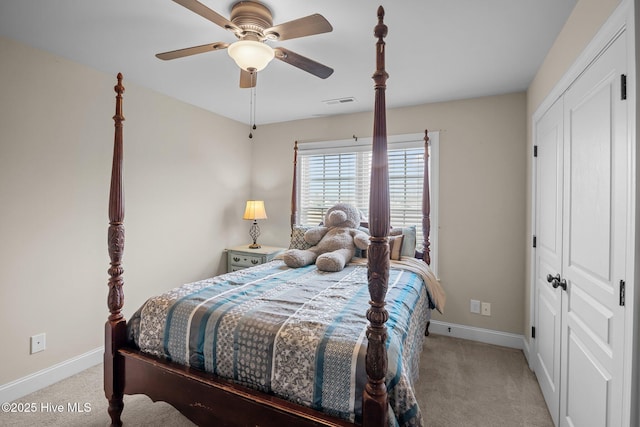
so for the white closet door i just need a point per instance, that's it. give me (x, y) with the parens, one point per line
(594, 233)
(549, 164)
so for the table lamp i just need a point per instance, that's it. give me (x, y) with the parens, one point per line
(254, 211)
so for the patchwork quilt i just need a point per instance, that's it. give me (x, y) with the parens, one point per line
(299, 334)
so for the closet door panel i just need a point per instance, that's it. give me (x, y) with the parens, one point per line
(590, 383)
(589, 193)
(548, 352)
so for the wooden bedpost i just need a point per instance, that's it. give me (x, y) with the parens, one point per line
(115, 328)
(294, 189)
(426, 203)
(375, 398)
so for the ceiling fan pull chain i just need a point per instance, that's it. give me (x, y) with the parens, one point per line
(252, 103)
(255, 97)
(250, 114)
(251, 94)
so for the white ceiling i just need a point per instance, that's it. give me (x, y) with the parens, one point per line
(437, 50)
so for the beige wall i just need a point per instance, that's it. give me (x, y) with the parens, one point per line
(186, 180)
(583, 24)
(482, 191)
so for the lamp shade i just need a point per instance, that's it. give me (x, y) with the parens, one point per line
(251, 54)
(255, 210)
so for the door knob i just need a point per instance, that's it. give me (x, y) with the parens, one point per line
(562, 283)
(556, 281)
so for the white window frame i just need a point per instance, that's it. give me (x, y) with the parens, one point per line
(413, 140)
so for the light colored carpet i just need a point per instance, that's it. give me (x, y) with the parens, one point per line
(470, 384)
(462, 383)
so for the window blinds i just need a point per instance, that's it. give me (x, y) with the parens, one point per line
(337, 174)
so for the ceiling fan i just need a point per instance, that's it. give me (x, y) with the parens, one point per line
(252, 24)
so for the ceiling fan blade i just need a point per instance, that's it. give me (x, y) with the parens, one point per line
(180, 53)
(247, 79)
(306, 64)
(202, 10)
(302, 27)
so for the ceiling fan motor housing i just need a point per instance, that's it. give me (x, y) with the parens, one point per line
(253, 18)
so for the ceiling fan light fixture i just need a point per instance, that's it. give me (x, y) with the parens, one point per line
(250, 54)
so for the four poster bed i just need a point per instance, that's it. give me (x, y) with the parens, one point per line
(274, 346)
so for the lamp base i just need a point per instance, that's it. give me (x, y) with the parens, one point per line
(254, 232)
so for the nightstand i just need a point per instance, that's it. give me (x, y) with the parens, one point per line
(240, 257)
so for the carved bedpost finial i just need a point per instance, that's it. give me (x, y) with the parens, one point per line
(119, 88)
(380, 31)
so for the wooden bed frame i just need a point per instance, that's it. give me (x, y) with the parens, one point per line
(208, 400)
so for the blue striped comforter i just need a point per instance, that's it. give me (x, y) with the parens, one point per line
(296, 333)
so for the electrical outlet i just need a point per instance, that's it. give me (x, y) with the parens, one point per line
(486, 308)
(475, 306)
(38, 343)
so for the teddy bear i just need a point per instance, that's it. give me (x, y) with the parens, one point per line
(334, 242)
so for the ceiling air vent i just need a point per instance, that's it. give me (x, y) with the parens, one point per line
(339, 101)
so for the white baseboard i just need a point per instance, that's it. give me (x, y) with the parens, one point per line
(34, 382)
(488, 336)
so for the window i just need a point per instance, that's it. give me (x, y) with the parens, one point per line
(339, 171)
